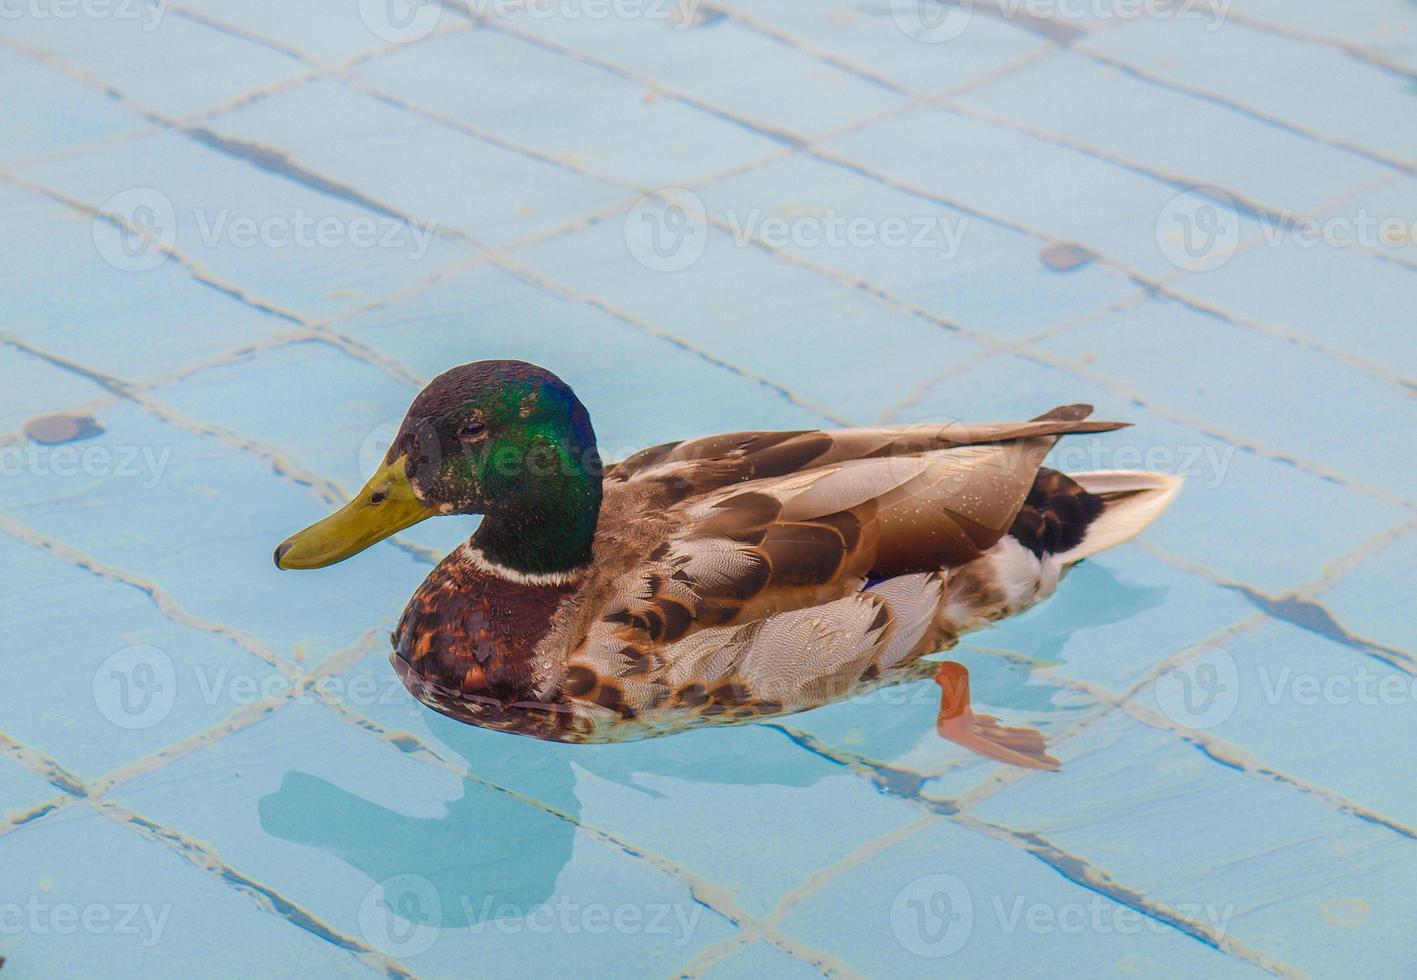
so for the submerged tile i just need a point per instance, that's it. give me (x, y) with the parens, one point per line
(116, 684)
(22, 790)
(168, 63)
(1289, 876)
(1205, 368)
(599, 121)
(71, 114)
(1237, 509)
(35, 387)
(61, 295)
(757, 82)
(441, 177)
(1340, 297)
(1024, 181)
(1376, 599)
(248, 222)
(615, 369)
(418, 862)
(758, 312)
(1304, 84)
(200, 519)
(1305, 705)
(85, 890)
(948, 898)
(894, 43)
(1101, 106)
(953, 264)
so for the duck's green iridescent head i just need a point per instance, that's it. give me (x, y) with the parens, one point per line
(505, 439)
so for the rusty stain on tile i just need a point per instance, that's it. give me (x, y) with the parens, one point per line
(61, 427)
(1067, 256)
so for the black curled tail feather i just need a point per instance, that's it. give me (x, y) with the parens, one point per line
(1056, 513)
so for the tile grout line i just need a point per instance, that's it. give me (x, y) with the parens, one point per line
(716, 897)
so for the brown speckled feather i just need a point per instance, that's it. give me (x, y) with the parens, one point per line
(751, 574)
(748, 558)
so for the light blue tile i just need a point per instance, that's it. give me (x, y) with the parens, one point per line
(1257, 501)
(1337, 296)
(736, 806)
(1103, 107)
(959, 267)
(1387, 27)
(1022, 181)
(279, 802)
(310, 399)
(90, 891)
(640, 390)
(37, 387)
(607, 124)
(1375, 599)
(1116, 616)
(1288, 685)
(758, 312)
(434, 173)
(265, 237)
(1204, 368)
(878, 42)
(170, 64)
(201, 520)
(328, 31)
(953, 901)
(22, 790)
(61, 296)
(119, 682)
(755, 78)
(1308, 85)
(1384, 219)
(1162, 817)
(70, 114)
(761, 959)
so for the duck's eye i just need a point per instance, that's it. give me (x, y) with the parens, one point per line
(472, 429)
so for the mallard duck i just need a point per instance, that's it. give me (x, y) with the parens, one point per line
(719, 580)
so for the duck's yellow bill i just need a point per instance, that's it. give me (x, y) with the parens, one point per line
(385, 506)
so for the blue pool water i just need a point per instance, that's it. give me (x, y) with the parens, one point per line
(242, 235)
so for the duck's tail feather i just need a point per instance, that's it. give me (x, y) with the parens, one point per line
(1131, 501)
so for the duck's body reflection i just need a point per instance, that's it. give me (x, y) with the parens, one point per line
(494, 855)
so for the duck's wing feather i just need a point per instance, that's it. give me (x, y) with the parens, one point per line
(696, 466)
(761, 578)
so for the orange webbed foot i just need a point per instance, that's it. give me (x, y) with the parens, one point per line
(982, 734)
